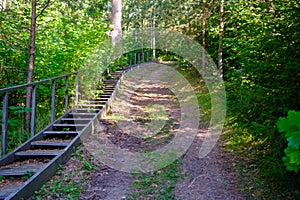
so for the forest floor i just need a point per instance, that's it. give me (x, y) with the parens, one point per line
(212, 177)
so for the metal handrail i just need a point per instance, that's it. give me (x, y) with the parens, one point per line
(34, 86)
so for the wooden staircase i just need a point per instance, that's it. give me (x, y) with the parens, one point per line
(32, 164)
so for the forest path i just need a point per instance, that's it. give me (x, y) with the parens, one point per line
(211, 177)
(208, 178)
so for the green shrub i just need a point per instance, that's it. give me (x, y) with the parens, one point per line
(291, 126)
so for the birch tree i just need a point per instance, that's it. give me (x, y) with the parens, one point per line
(220, 49)
(116, 33)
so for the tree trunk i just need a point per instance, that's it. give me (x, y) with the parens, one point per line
(220, 49)
(31, 62)
(203, 34)
(143, 52)
(153, 35)
(116, 34)
(3, 4)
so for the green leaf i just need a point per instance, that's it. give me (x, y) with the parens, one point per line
(291, 126)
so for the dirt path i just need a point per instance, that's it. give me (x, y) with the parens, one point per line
(209, 178)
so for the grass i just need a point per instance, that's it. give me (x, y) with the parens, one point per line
(256, 167)
(156, 185)
(68, 185)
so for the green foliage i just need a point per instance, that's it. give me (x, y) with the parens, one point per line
(262, 83)
(68, 185)
(157, 185)
(16, 134)
(291, 126)
(66, 32)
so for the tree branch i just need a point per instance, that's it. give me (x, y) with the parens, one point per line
(46, 6)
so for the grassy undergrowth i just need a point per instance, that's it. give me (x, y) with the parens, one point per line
(156, 185)
(255, 166)
(68, 184)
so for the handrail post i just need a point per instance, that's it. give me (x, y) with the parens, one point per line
(130, 58)
(76, 89)
(53, 102)
(33, 105)
(4, 124)
(67, 95)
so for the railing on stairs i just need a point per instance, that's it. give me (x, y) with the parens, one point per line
(34, 86)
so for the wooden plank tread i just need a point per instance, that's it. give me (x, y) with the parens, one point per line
(93, 102)
(79, 114)
(69, 125)
(61, 132)
(50, 143)
(38, 153)
(90, 105)
(7, 190)
(22, 170)
(92, 111)
(76, 119)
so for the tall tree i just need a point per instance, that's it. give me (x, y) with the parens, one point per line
(220, 49)
(31, 61)
(116, 34)
(3, 4)
(34, 17)
(203, 34)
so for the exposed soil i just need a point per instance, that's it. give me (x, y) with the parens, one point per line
(211, 177)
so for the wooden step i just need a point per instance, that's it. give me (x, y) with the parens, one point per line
(108, 91)
(60, 133)
(92, 102)
(109, 88)
(110, 84)
(115, 74)
(7, 190)
(104, 98)
(38, 153)
(76, 120)
(80, 114)
(23, 170)
(86, 110)
(108, 81)
(45, 143)
(90, 105)
(67, 127)
(105, 95)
